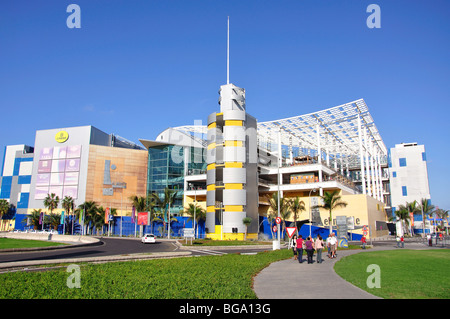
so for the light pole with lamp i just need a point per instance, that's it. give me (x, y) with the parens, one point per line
(195, 208)
(310, 213)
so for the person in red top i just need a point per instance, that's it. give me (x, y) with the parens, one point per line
(363, 241)
(300, 248)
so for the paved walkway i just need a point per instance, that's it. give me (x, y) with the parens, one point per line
(287, 279)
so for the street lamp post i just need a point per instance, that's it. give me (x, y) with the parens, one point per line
(195, 208)
(310, 213)
(279, 162)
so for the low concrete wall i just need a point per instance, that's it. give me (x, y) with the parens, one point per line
(52, 237)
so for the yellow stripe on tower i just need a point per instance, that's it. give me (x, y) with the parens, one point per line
(233, 143)
(233, 186)
(233, 123)
(233, 164)
(234, 208)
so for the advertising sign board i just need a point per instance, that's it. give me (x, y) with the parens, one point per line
(142, 218)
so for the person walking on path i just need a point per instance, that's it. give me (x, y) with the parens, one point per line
(309, 245)
(363, 241)
(328, 245)
(398, 241)
(300, 248)
(293, 244)
(319, 247)
(402, 240)
(333, 244)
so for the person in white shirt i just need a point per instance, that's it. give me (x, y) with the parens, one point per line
(333, 245)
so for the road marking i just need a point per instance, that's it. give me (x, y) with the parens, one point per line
(210, 252)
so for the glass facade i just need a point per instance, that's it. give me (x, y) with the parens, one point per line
(197, 164)
(164, 172)
(166, 168)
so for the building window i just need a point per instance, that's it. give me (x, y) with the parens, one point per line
(394, 174)
(404, 191)
(424, 157)
(402, 161)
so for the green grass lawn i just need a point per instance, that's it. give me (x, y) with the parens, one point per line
(212, 277)
(8, 243)
(411, 274)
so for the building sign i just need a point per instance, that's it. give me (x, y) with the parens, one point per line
(61, 136)
(188, 232)
(107, 180)
(341, 223)
(315, 212)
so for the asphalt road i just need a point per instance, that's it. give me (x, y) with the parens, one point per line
(118, 246)
(109, 246)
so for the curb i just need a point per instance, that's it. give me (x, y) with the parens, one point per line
(68, 246)
(224, 247)
(130, 257)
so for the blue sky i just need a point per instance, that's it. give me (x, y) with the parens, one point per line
(137, 67)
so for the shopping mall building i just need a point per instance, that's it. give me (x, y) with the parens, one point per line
(231, 167)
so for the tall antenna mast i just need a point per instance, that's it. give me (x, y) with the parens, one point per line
(228, 51)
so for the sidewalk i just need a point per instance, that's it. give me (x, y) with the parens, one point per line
(287, 279)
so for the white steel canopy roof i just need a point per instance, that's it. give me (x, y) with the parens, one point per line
(338, 130)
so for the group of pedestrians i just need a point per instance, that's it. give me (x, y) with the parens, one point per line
(298, 244)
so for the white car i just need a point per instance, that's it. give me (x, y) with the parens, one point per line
(149, 238)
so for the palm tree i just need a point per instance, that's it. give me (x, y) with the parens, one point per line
(412, 208)
(442, 214)
(284, 208)
(271, 215)
(67, 203)
(246, 221)
(426, 209)
(35, 216)
(402, 215)
(51, 202)
(4, 207)
(55, 220)
(197, 212)
(89, 209)
(140, 205)
(297, 206)
(164, 205)
(331, 201)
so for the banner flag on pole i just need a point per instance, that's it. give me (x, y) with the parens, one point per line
(81, 216)
(107, 215)
(41, 218)
(62, 218)
(133, 215)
